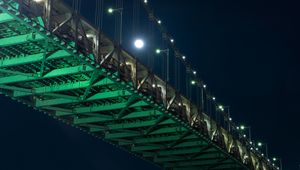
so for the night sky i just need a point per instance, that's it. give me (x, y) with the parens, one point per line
(247, 53)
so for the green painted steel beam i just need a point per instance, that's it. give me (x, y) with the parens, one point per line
(4, 17)
(163, 130)
(183, 144)
(97, 96)
(138, 124)
(98, 119)
(16, 61)
(142, 114)
(159, 138)
(54, 73)
(176, 152)
(62, 87)
(20, 39)
(113, 126)
(183, 148)
(198, 162)
(108, 107)
(138, 114)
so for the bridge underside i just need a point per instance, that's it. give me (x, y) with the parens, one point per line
(40, 70)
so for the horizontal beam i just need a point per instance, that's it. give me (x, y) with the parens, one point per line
(20, 39)
(62, 87)
(54, 73)
(97, 119)
(138, 124)
(97, 96)
(108, 107)
(16, 61)
(138, 114)
(156, 132)
(4, 17)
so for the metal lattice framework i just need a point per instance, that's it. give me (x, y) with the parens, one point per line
(54, 61)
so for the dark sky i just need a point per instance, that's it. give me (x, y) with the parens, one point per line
(246, 51)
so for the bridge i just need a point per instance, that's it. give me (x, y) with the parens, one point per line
(54, 61)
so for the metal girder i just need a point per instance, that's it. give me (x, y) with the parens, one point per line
(69, 17)
(32, 58)
(97, 96)
(197, 155)
(180, 139)
(152, 128)
(95, 76)
(138, 114)
(159, 138)
(175, 152)
(140, 133)
(96, 119)
(99, 118)
(20, 39)
(63, 87)
(51, 74)
(108, 107)
(132, 99)
(137, 124)
(4, 17)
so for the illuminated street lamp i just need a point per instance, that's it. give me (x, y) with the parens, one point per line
(260, 144)
(221, 107)
(243, 127)
(167, 51)
(120, 10)
(279, 160)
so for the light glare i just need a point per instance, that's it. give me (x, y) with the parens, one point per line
(138, 43)
(110, 10)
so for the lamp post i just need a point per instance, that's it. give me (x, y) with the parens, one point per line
(167, 51)
(279, 160)
(260, 144)
(120, 10)
(242, 128)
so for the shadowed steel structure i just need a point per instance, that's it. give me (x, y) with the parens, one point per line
(54, 61)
